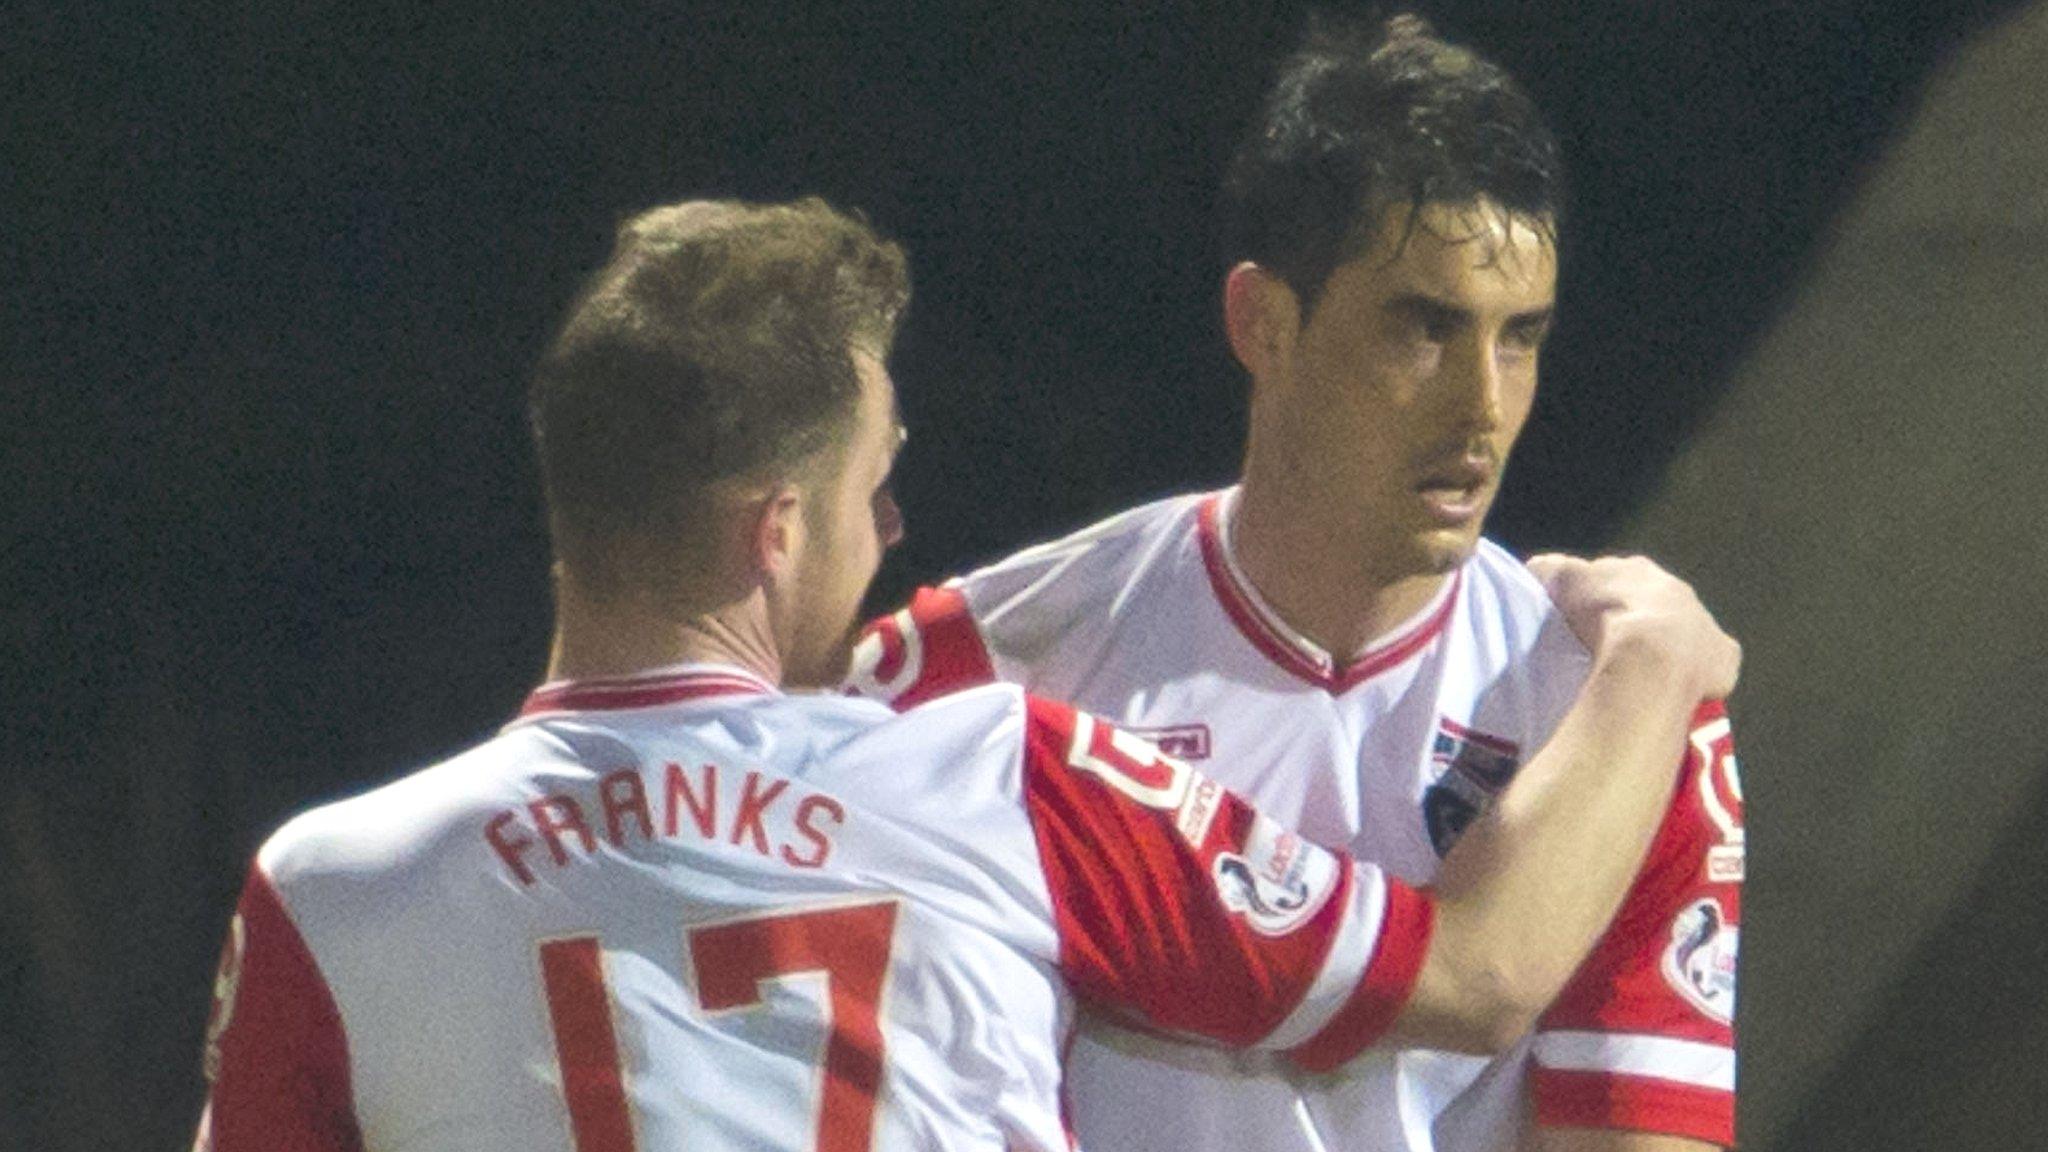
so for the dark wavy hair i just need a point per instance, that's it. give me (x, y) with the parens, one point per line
(1364, 117)
(714, 348)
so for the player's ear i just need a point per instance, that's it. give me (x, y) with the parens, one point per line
(776, 532)
(1262, 317)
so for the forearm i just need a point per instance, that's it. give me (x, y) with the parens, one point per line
(1531, 885)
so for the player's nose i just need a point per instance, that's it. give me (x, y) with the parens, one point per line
(1473, 388)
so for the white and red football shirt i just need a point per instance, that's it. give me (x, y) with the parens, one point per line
(685, 910)
(1146, 619)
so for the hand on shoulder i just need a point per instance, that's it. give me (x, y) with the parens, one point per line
(1633, 615)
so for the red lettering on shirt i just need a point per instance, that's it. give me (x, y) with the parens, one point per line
(704, 811)
(624, 793)
(557, 814)
(508, 847)
(800, 834)
(754, 801)
(821, 844)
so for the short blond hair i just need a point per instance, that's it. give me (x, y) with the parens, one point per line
(714, 347)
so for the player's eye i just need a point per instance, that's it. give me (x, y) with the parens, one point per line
(1424, 322)
(1525, 336)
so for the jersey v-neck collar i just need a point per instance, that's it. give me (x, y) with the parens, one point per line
(1280, 642)
(649, 689)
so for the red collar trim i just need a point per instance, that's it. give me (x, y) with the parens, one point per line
(648, 690)
(1311, 665)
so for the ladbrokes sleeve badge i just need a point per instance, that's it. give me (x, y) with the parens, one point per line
(1699, 963)
(1278, 883)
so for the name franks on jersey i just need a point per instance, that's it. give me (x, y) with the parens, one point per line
(762, 815)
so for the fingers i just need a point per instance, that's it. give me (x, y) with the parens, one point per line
(1629, 605)
(1724, 669)
(1550, 567)
(1546, 564)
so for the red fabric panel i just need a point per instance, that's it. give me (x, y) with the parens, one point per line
(275, 1049)
(1131, 851)
(1624, 986)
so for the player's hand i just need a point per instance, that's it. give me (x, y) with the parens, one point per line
(1627, 610)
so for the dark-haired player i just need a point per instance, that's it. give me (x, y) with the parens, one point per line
(671, 906)
(1333, 638)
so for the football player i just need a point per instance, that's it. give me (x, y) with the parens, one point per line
(1333, 638)
(675, 905)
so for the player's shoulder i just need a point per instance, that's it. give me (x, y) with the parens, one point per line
(1499, 574)
(948, 770)
(1510, 648)
(389, 828)
(962, 733)
(1047, 606)
(1501, 593)
(1031, 606)
(1120, 543)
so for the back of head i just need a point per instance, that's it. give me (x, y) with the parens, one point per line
(711, 354)
(1363, 118)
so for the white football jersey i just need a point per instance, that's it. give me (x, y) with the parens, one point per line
(686, 910)
(1146, 620)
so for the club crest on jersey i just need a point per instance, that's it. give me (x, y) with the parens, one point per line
(1278, 883)
(1470, 768)
(1699, 963)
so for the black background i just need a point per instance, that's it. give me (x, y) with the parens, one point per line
(277, 271)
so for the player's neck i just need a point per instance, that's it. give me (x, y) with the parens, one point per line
(613, 637)
(1326, 592)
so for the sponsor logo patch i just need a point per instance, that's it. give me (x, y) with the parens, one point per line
(1278, 883)
(1470, 769)
(1720, 793)
(1183, 741)
(1725, 863)
(1699, 963)
(1199, 810)
(1129, 764)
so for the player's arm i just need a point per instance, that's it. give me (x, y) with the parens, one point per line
(1531, 885)
(1638, 1053)
(1177, 906)
(930, 647)
(276, 1057)
(1178, 903)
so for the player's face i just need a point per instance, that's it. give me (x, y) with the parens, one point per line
(850, 520)
(1413, 376)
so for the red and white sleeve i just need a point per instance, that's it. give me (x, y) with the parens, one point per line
(1180, 906)
(276, 1055)
(1643, 1038)
(924, 650)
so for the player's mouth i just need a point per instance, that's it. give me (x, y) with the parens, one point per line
(1454, 493)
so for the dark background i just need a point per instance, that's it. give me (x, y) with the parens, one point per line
(277, 270)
